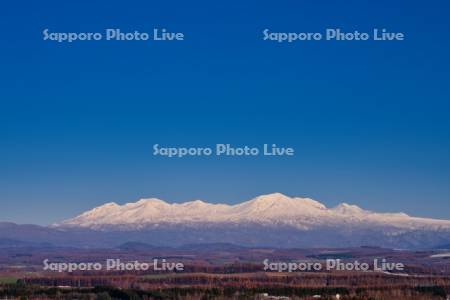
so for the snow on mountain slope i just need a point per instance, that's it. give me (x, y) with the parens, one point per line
(268, 210)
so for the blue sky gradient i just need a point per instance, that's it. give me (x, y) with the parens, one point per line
(369, 120)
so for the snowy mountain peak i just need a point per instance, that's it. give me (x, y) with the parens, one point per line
(349, 209)
(267, 201)
(194, 203)
(270, 198)
(285, 201)
(149, 201)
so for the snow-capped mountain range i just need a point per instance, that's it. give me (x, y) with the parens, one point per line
(266, 210)
(273, 220)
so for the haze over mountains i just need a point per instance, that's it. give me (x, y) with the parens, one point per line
(273, 220)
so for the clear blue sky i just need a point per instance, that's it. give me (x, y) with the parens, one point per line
(369, 121)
